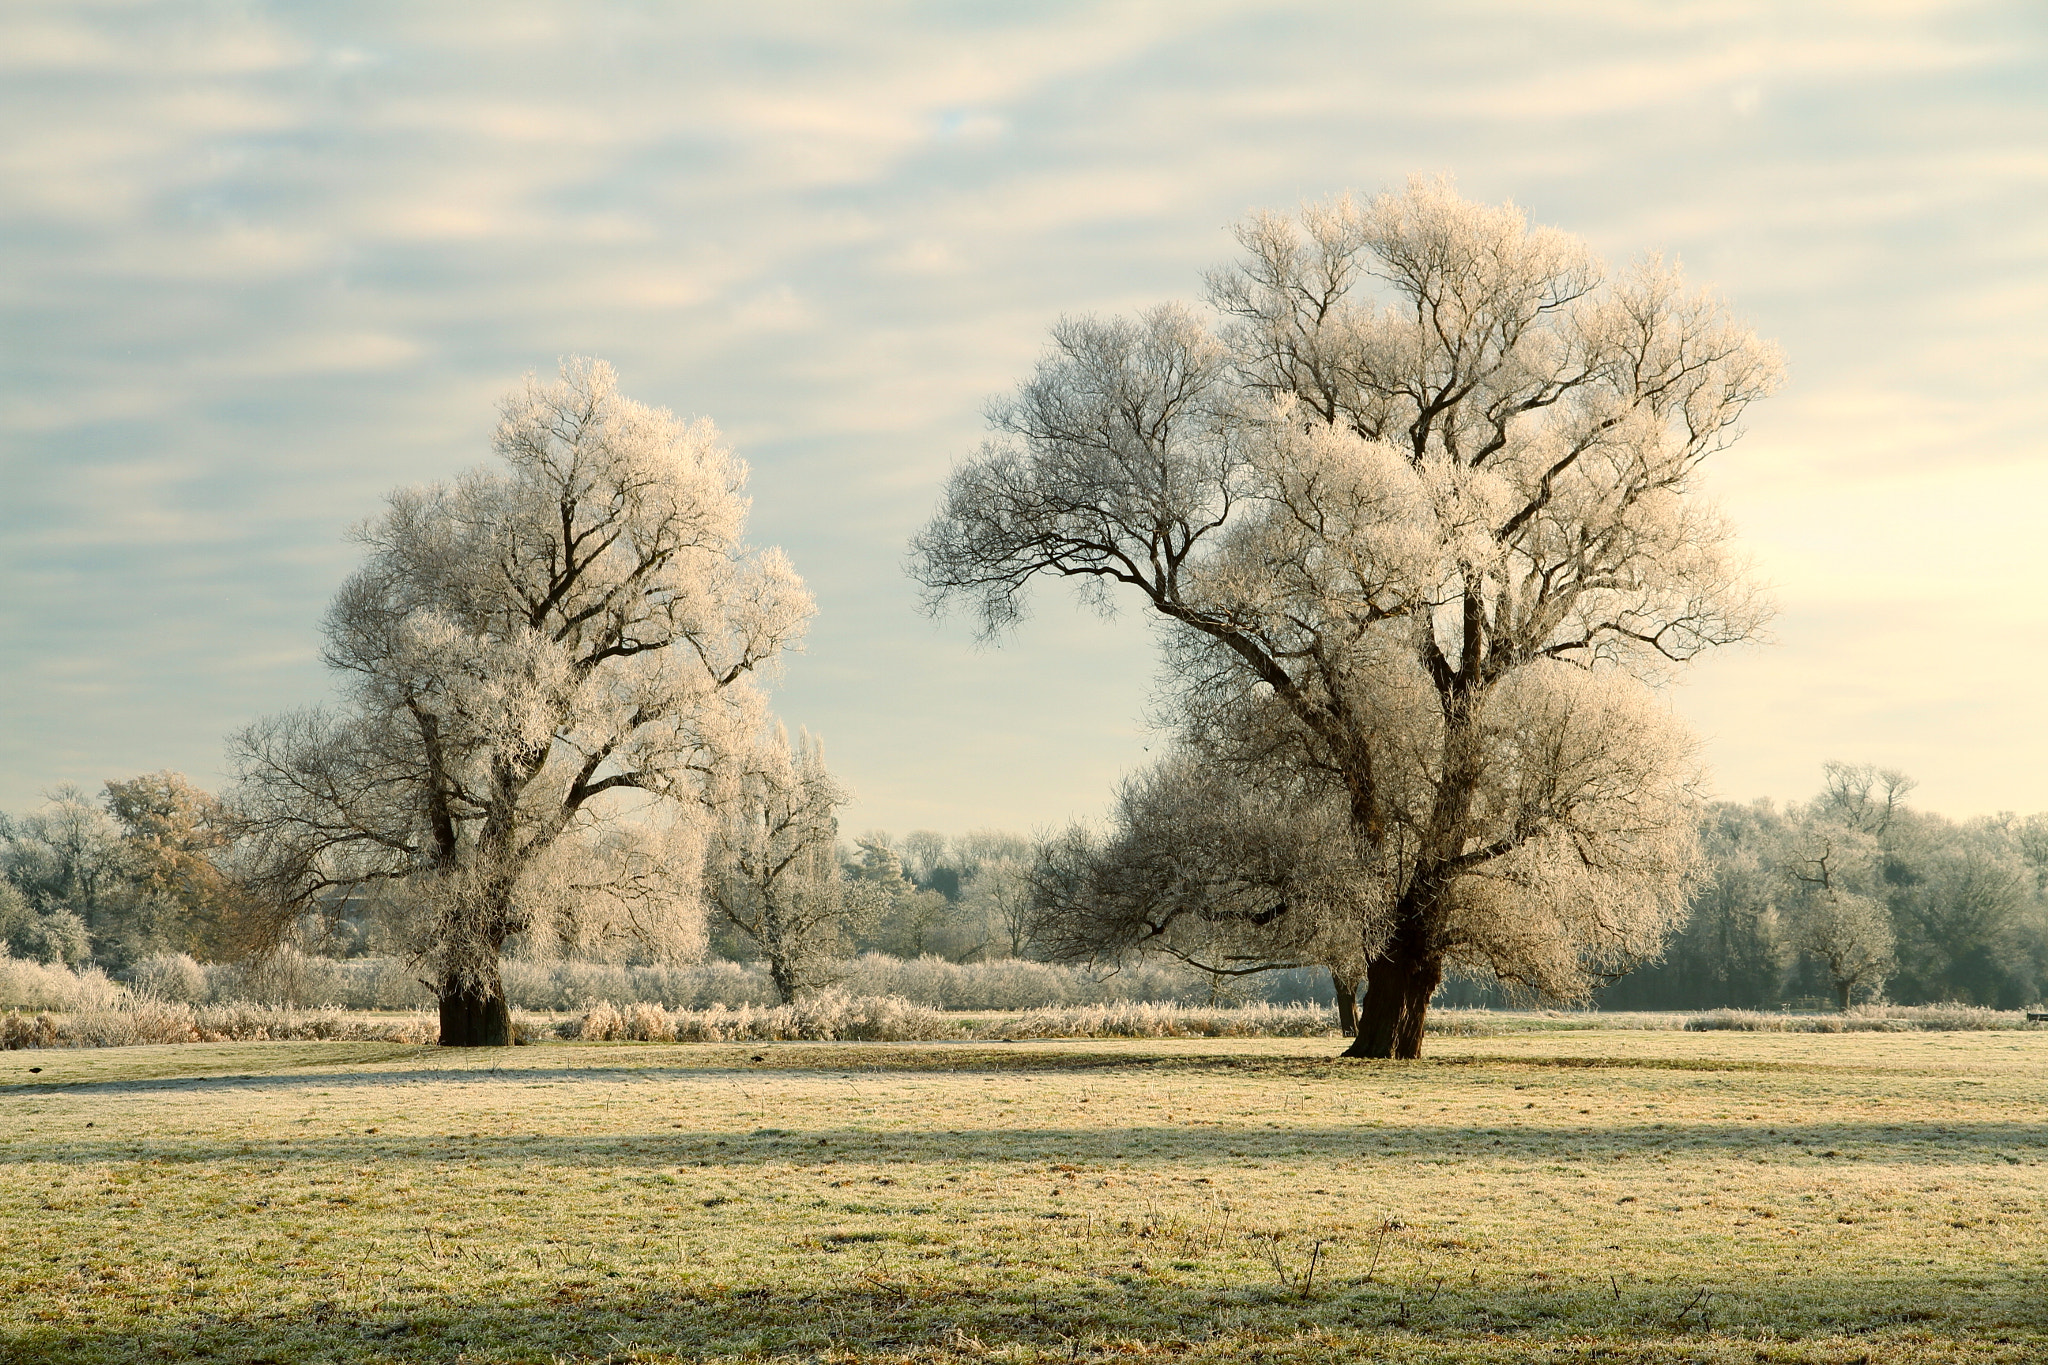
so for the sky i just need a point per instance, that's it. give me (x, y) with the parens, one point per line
(261, 263)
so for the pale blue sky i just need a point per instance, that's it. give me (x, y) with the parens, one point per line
(260, 262)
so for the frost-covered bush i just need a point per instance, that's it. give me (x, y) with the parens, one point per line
(831, 1017)
(1945, 1018)
(1151, 1020)
(290, 977)
(53, 986)
(170, 976)
(381, 983)
(1015, 984)
(580, 986)
(144, 1019)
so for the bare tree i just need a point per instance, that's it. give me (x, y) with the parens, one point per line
(1436, 543)
(1864, 796)
(530, 659)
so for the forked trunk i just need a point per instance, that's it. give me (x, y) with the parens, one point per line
(474, 1013)
(1347, 1003)
(1398, 986)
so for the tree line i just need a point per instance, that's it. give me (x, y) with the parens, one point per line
(1851, 896)
(1854, 895)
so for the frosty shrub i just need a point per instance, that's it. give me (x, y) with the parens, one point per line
(170, 976)
(1946, 1018)
(53, 986)
(1147, 1020)
(571, 985)
(828, 1017)
(379, 983)
(290, 977)
(143, 1020)
(1015, 984)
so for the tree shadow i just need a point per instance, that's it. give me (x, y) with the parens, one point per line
(1114, 1311)
(1819, 1144)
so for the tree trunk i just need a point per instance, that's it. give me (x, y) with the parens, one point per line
(474, 1014)
(782, 970)
(1398, 985)
(1842, 995)
(1347, 1002)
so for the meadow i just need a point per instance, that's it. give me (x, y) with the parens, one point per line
(1609, 1195)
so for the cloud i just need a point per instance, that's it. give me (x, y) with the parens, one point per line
(259, 264)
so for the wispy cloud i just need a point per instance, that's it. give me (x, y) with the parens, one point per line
(260, 263)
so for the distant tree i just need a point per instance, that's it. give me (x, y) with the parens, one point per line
(75, 874)
(1435, 543)
(1960, 896)
(176, 835)
(531, 659)
(41, 933)
(997, 897)
(772, 870)
(925, 854)
(875, 859)
(907, 919)
(1734, 946)
(1848, 931)
(1864, 797)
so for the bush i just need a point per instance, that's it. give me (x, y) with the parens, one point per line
(170, 976)
(1016, 984)
(830, 1017)
(567, 985)
(36, 986)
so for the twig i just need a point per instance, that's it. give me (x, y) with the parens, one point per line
(1698, 1300)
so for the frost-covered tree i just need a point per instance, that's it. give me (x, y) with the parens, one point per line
(531, 660)
(1837, 918)
(1418, 521)
(772, 870)
(1209, 865)
(76, 876)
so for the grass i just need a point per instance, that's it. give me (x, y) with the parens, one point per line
(1622, 1195)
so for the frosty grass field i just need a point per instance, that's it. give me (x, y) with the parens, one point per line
(1593, 1195)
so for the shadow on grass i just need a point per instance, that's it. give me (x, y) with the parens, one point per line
(1116, 1310)
(612, 1063)
(1819, 1144)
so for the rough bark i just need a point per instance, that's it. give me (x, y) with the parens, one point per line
(1347, 1003)
(1398, 985)
(475, 1013)
(783, 972)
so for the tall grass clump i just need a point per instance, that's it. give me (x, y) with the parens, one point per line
(1945, 1018)
(53, 986)
(1149, 1019)
(145, 1019)
(829, 1017)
